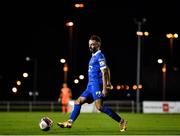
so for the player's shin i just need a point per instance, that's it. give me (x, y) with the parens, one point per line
(111, 113)
(75, 112)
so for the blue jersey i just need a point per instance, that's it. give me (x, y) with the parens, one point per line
(96, 64)
(94, 87)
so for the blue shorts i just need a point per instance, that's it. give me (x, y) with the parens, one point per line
(93, 92)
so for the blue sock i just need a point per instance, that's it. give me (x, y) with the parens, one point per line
(111, 113)
(75, 113)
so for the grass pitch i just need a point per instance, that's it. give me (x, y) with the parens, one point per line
(26, 123)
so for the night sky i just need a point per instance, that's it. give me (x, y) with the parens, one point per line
(38, 30)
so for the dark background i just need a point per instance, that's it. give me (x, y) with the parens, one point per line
(38, 30)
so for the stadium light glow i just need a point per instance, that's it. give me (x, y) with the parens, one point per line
(127, 87)
(146, 33)
(79, 5)
(164, 68)
(65, 69)
(134, 87)
(171, 38)
(14, 90)
(140, 33)
(25, 75)
(30, 93)
(118, 87)
(18, 82)
(62, 60)
(27, 58)
(170, 35)
(68, 24)
(76, 81)
(81, 77)
(160, 61)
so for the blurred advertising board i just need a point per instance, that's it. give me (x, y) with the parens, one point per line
(161, 107)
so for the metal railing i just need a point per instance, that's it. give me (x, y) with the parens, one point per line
(118, 106)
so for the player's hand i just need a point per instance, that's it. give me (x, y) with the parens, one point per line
(105, 92)
(109, 87)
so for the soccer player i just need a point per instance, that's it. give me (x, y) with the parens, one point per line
(65, 97)
(97, 88)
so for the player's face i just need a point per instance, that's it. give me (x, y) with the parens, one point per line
(93, 46)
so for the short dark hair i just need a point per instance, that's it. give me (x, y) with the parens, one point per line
(96, 38)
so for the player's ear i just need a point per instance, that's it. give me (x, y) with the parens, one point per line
(99, 44)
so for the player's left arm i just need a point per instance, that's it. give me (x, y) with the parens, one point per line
(105, 80)
(105, 76)
(109, 85)
(60, 96)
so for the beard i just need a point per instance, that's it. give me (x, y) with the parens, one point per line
(92, 50)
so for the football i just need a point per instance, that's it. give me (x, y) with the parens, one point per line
(45, 123)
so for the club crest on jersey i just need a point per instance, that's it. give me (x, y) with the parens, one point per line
(90, 67)
(98, 93)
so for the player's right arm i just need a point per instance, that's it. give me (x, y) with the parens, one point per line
(60, 96)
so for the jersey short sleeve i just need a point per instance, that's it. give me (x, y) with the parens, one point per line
(102, 61)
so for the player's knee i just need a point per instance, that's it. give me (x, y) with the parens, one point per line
(99, 107)
(77, 102)
(80, 101)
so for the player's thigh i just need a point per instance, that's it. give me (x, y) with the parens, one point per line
(98, 103)
(96, 91)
